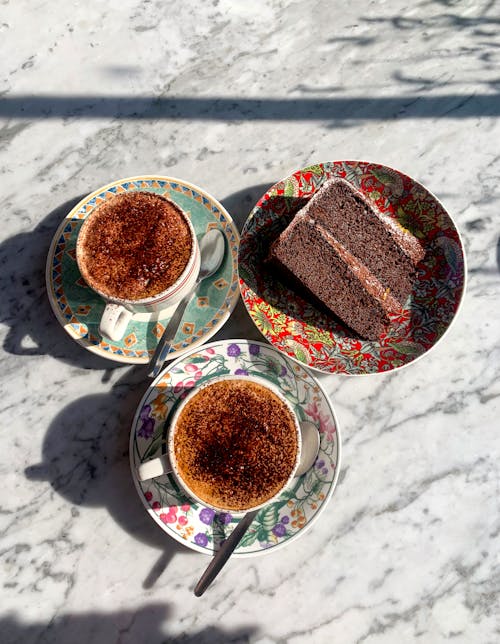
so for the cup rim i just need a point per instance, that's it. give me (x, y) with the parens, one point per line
(170, 440)
(174, 288)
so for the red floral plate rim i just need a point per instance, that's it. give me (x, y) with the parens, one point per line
(321, 342)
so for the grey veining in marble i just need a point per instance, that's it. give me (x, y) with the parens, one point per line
(232, 97)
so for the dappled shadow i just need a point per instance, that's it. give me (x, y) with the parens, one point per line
(85, 459)
(24, 307)
(146, 624)
(275, 287)
(443, 29)
(240, 204)
(449, 20)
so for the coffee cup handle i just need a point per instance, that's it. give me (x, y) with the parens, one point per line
(114, 321)
(154, 468)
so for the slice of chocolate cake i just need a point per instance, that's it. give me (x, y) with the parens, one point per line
(334, 276)
(387, 250)
(354, 260)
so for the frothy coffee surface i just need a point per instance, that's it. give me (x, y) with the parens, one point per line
(134, 245)
(235, 444)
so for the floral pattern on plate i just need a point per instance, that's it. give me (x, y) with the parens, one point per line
(199, 527)
(79, 309)
(322, 342)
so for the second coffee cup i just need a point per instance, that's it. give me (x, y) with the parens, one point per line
(234, 444)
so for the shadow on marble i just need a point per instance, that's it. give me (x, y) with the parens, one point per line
(449, 19)
(240, 204)
(339, 110)
(477, 36)
(146, 624)
(85, 460)
(24, 307)
(488, 270)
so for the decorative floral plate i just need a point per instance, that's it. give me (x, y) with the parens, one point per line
(197, 526)
(320, 341)
(79, 309)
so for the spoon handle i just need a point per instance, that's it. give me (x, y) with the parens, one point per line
(164, 345)
(223, 554)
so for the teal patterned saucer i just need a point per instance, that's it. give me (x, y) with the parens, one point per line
(79, 309)
(197, 526)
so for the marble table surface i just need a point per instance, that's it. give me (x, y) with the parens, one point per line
(232, 97)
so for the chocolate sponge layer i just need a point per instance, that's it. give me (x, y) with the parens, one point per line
(334, 276)
(387, 250)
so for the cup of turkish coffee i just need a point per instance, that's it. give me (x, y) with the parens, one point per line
(139, 252)
(234, 444)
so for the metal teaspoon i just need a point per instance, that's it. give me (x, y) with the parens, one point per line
(309, 452)
(212, 253)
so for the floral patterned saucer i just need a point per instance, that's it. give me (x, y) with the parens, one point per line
(199, 527)
(79, 309)
(298, 329)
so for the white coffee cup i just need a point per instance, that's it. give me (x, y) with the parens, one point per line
(119, 311)
(167, 463)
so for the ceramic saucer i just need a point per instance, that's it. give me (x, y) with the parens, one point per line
(320, 341)
(78, 308)
(199, 527)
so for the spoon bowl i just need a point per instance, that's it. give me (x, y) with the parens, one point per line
(212, 254)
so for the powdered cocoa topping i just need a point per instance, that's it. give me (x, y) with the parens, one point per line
(133, 246)
(235, 444)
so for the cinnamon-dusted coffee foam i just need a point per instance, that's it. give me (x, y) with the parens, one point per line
(235, 444)
(134, 246)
